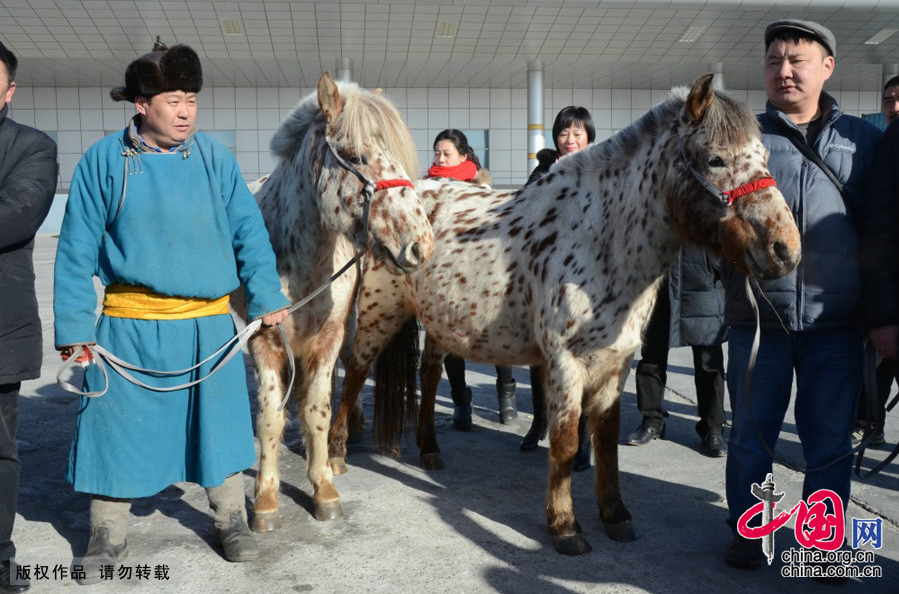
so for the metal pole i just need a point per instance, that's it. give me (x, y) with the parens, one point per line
(344, 70)
(536, 140)
(718, 78)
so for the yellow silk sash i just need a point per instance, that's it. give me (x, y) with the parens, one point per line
(128, 301)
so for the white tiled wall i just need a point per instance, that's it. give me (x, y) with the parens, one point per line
(81, 116)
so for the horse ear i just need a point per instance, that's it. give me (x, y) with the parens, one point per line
(700, 98)
(329, 99)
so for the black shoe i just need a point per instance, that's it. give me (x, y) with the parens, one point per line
(537, 431)
(237, 542)
(100, 556)
(505, 394)
(744, 553)
(713, 446)
(462, 411)
(581, 459)
(6, 575)
(645, 433)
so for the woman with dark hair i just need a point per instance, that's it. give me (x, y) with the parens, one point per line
(454, 158)
(572, 131)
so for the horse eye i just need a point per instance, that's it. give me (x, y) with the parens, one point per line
(358, 159)
(716, 161)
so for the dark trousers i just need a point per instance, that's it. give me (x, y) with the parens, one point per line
(652, 373)
(10, 468)
(455, 373)
(887, 371)
(828, 367)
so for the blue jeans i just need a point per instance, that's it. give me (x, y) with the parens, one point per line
(828, 366)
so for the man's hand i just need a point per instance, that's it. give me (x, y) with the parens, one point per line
(275, 318)
(85, 356)
(886, 341)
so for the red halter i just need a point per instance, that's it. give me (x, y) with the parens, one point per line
(392, 183)
(748, 188)
(726, 197)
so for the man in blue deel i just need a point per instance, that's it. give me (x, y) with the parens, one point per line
(161, 214)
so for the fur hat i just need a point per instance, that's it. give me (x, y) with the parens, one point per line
(162, 70)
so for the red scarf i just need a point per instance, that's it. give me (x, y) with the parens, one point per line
(464, 171)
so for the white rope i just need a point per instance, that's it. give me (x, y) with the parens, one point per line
(99, 354)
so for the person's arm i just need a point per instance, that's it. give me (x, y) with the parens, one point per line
(256, 265)
(879, 247)
(27, 192)
(77, 254)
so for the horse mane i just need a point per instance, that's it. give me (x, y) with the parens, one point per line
(728, 121)
(365, 115)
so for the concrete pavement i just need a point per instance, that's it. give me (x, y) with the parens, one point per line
(476, 526)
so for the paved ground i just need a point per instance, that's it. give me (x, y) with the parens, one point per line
(476, 526)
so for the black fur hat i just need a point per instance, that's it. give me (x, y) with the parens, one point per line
(162, 70)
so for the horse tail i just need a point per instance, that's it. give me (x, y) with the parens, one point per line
(396, 404)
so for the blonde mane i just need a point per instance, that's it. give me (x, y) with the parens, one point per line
(365, 115)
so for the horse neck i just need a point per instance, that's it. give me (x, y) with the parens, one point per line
(300, 234)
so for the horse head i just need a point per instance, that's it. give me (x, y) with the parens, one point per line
(369, 157)
(748, 222)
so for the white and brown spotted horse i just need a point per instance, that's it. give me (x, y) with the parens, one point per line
(563, 274)
(314, 208)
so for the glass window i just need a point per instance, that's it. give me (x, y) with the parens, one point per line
(479, 141)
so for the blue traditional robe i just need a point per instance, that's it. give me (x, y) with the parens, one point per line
(186, 227)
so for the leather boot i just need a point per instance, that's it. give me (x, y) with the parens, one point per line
(107, 545)
(229, 517)
(584, 445)
(8, 574)
(101, 556)
(462, 410)
(538, 427)
(235, 538)
(505, 393)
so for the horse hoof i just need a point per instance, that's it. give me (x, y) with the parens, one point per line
(265, 522)
(432, 462)
(338, 465)
(572, 544)
(355, 436)
(328, 510)
(621, 531)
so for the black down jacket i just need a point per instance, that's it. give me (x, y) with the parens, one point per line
(28, 172)
(697, 299)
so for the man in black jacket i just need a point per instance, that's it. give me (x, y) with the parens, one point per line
(27, 183)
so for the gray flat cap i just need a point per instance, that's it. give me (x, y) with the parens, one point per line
(821, 33)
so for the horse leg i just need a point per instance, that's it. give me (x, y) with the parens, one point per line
(564, 389)
(268, 360)
(315, 414)
(606, 426)
(354, 379)
(431, 369)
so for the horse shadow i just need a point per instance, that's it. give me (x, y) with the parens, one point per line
(496, 504)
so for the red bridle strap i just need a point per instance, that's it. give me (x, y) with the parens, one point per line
(392, 183)
(752, 186)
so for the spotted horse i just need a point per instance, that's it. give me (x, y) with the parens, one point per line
(564, 273)
(339, 149)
